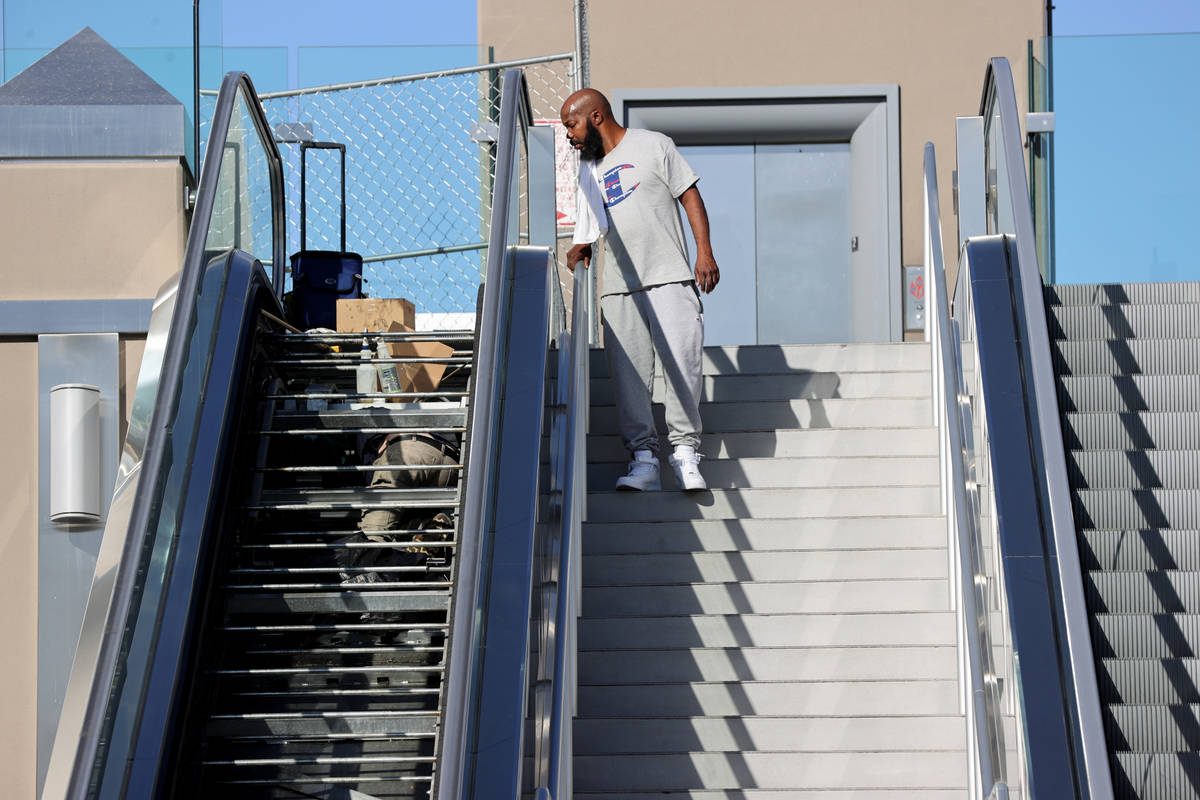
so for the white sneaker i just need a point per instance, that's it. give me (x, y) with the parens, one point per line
(642, 475)
(686, 463)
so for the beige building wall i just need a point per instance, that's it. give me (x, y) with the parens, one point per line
(936, 50)
(72, 230)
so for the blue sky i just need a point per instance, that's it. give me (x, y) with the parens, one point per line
(1094, 17)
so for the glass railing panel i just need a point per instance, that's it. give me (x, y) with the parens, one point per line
(241, 217)
(1125, 163)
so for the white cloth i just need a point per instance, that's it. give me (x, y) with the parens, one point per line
(591, 220)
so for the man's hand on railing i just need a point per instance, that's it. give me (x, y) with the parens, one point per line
(580, 252)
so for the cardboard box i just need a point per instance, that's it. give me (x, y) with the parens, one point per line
(419, 377)
(375, 314)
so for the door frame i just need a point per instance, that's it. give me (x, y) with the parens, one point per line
(778, 115)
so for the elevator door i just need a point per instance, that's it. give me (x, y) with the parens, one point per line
(780, 219)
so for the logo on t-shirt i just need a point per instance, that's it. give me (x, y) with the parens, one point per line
(613, 193)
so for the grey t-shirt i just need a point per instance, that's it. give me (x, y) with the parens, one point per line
(643, 177)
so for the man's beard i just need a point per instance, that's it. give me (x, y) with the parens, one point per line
(592, 148)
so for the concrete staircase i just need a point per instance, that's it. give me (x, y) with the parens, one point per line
(1128, 361)
(787, 634)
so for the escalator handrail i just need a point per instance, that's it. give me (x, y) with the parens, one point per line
(982, 706)
(515, 118)
(85, 707)
(998, 104)
(574, 508)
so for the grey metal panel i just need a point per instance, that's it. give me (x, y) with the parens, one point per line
(67, 553)
(38, 317)
(92, 131)
(972, 186)
(802, 197)
(727, 186)
(870, 288)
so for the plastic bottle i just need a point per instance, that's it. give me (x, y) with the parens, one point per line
(389, 376)
(365, 373)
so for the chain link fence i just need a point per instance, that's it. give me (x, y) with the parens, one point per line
(419, 163)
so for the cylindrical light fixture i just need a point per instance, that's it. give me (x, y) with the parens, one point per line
(74, 453)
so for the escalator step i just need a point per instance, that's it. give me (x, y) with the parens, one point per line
(328, 727)
(443, 418)
(1136, 508)
(1119, 293)
(1145, 635)
(380, 602)
(1141, 430)
(1149, 592)
(1134, 469)
(1126, 357)
(1169, 681)
(1153, 728)
(1156, 776)
(1116, 393)
(1125, 321)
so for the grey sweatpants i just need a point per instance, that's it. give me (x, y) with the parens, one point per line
(667, 321)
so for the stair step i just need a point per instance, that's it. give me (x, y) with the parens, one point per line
(1145, 635)
(1134, 469)
(749, 698)
(1140, 549)
(747, 569)
(813, 597)
(769, 630)
(900, 412)
(784, 771)
(1169, 681)
(1141, 430)
(1152, 728)
(781, 359)
(1085, 294)
(1126, 357)
(761, 473)
(1153, 592)
(796, 384)
(1150, 776)
(1137, 508)
(747, 535)
(1125, 321)
(763, 503)
(768, 664)
(813, 442)
(1116, 393)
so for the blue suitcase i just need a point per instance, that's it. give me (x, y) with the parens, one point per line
(322, 277)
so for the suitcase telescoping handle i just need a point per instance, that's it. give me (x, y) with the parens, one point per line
(304, 148)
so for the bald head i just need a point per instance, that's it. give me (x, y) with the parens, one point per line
(587, 102)
(591, 129)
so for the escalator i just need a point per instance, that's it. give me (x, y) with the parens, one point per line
(311, 680)
(243, 636)
(1072, 453)
(1128, 377)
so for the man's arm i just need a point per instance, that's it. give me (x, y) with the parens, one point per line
(707, 274)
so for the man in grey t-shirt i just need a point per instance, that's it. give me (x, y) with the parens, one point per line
(651, 295)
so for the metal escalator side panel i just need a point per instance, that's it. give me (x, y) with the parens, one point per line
(113, 542)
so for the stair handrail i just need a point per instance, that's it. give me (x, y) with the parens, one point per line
(83, 736)
(981, 701)
(998, 107)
